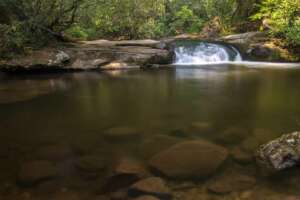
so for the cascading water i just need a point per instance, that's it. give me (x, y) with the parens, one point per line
(197, 53)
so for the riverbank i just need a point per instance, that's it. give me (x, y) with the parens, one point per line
(128, 54)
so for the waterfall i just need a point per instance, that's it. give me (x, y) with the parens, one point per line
(193, 53)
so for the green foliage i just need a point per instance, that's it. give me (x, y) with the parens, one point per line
(11, 40)
(282, 17)
(186, 21)
(78, 32)
(34, 22)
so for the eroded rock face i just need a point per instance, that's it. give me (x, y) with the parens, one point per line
(281, 153)
(191, 159)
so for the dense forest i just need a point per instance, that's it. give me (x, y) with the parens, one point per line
(34, 23)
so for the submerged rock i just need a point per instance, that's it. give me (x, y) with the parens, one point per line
(121, 133)
(191, 159)
(130, 167)
(281, 153)
(155, 144)
(201, 127)
(90, 164)
(56, 152)
(35, 171)
(231, 183)
(232, 135)
(125, 172)
(154, 186)
(146, 197)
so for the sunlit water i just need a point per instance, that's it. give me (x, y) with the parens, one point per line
(162, 105)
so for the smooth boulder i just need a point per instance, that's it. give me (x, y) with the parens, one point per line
(190, 159)
(153, 186)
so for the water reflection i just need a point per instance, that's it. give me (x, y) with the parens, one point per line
(12, 91)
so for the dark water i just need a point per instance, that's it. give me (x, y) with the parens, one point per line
(229, 106)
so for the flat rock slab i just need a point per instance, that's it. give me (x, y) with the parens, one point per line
(154, 186)
(90, 55)
(190, 159)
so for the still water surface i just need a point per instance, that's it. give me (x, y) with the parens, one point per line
(164, 107)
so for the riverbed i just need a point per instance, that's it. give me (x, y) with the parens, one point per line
(80, 124)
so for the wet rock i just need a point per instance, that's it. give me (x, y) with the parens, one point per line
(61, 58)
(83, 64)
(55, 152)
(119, 195)
(48, 187)
(180, 133)
(259, 51)
(125, 172)
(101, 197)
(151, 186)
(191, 159)
(241, 156)
(195, 194)
(36, 171)
(119, 65)
(245, 38)
(201, 127)
(120, 133)
(231, 183)
(146, 197)
(90, 164)
(90, 56)
(155, 144)
(66, 196)
(130, 167)
(281, 153)
(233, 135)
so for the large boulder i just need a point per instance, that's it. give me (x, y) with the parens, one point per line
(190, 159)
(281, 153)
